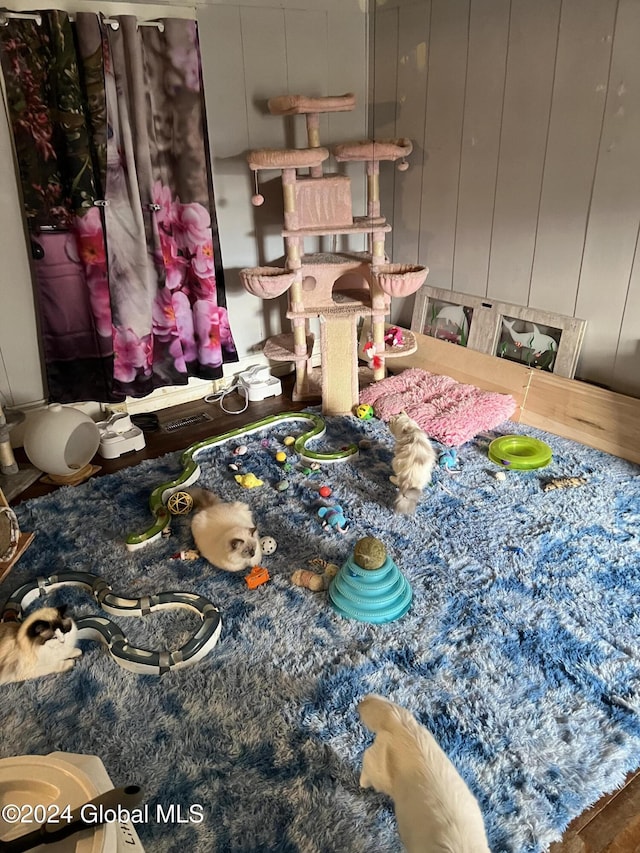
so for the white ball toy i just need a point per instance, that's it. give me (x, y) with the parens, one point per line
(268, 545)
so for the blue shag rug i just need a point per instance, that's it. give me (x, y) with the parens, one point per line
(519, 652)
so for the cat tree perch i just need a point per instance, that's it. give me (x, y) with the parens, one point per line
(338, 288)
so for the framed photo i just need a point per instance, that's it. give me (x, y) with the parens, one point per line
(528, 343)
(448, 321)
(460, 318)
(535, 339)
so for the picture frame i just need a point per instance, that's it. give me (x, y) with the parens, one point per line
(528, 336)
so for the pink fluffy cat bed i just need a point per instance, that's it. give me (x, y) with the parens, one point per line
(447, 411)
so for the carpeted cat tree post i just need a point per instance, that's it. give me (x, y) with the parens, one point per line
(338, 288)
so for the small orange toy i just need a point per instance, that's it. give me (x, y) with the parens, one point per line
(256, 577)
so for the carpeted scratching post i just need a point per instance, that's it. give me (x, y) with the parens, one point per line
(369, 587)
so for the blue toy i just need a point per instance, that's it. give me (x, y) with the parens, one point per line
(449, 459)
(369, 587)
(333, 516)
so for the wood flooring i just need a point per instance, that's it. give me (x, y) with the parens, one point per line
(611, 826)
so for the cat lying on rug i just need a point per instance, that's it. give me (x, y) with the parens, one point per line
(413, 462)
(44, 643)
(435, 810)
(225, 533)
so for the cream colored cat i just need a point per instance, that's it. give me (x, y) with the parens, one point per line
(435, 810)
(413, 462)
(44, 643)
(225, 533)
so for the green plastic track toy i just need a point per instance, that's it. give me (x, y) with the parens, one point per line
(191, 469)
(520, 452)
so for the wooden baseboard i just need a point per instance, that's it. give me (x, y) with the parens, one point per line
(570, 408)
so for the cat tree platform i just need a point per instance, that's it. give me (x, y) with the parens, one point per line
(359, 225)
(337, 289)
(400, 279)
(267, 282)
(287, 158)
(369, 151)
(282, 348)
(288, 105)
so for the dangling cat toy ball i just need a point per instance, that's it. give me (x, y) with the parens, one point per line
(257, 198)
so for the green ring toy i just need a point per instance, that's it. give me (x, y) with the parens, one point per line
(191, 469)
(520, 452)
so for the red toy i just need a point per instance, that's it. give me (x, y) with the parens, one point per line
(393, 337)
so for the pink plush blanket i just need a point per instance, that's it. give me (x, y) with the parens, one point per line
(447, 411)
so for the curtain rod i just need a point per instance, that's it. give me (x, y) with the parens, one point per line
(6, 14)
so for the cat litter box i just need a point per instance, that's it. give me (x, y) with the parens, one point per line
(58, 780)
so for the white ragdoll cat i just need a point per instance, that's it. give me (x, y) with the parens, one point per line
(435, 810)
(413, 462)
(225, 533)
(42, 644)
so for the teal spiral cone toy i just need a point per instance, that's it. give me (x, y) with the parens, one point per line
(369, 587)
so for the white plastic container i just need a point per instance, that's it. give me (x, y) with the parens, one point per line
(61, 440)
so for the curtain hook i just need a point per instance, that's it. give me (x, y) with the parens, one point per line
(111, 22)
(5, 16)
(158, 24)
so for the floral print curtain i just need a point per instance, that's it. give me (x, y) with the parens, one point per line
(110, 138)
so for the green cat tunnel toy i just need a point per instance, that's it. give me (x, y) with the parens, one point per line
(191, 469)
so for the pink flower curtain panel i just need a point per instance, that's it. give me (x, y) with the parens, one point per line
(110, 137)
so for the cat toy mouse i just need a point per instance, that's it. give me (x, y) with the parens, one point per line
(333, 517)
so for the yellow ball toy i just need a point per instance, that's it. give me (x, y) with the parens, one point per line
(180, 503)
(281, 456)
(364, 411)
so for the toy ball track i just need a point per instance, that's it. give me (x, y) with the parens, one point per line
(191, 469)
(99, 628)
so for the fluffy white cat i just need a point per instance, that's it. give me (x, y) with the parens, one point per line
(225, 533)
(435, 810)
(42, 644)
(413, 462)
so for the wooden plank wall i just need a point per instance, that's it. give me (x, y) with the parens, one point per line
(252, 51)
(524, 183)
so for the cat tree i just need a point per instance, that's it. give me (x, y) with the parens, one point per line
(338, 288)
